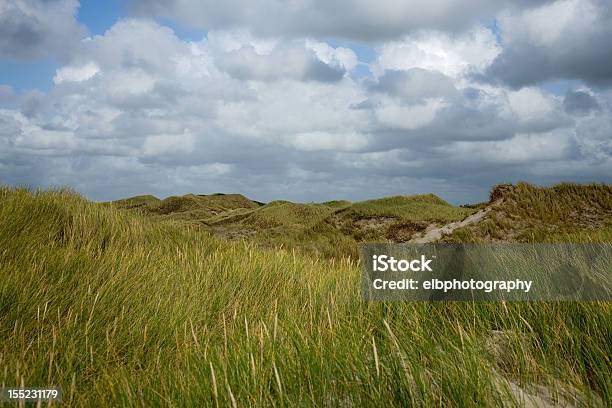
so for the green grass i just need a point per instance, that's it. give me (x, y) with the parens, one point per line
(334, 228)
(287, 215)
(189, 207)
(122, 309)
(411, 208)
(142, 202)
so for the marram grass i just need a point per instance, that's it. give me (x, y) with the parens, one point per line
(121, 310)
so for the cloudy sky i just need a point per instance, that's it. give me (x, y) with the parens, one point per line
(304, 100)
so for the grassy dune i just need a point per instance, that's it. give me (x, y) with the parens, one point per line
(122, 309)
(189, 206)
(330, 229)
(562, 213)
(411, 208)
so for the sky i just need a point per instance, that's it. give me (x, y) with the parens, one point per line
(305, 100)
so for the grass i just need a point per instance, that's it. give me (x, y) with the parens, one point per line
(188, 207)
(142, 202)
(329, 229)
(411, 208)
(563, 213)
(122, 309)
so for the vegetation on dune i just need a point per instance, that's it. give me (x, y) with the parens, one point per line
(398, 205)
(190, 207)
(123, 309)
(207, 205)
(424, 207)
(286, 214)
(336, 203)
(142, 202)
(329, 229)
(396, 219)
(523, 213)
(562, 213)
(335, 229)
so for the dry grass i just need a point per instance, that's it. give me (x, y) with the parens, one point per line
(330, 229)
(121, 309)
(561, 213)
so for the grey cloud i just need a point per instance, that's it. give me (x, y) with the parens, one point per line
(580, 102)
(530, 64)
(360, 20)
(471, 115)
(32, 103)
(415, 84)
(471, 93)
(364, 105)
(452, 123)
(9, 127)
(565, 39)
(291, 60)
(38, 28)
(24, 37)
(139, 124)
(598, 127)
(319, 71)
